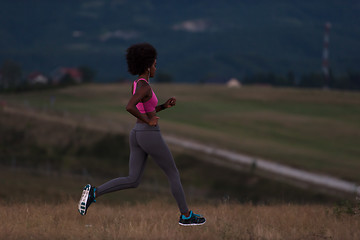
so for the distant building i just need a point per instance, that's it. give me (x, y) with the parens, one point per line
(61, 73)
(233, 83)
(37, 78)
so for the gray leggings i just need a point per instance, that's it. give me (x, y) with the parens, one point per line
(146, 140)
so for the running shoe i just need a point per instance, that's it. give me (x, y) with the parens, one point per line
(87, 198)
(192, 220)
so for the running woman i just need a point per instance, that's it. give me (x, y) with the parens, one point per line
(145, 138)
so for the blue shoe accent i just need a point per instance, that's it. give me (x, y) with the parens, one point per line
(94, 190)
(186, 218)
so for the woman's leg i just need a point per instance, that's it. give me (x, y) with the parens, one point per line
(136, 168)
(153, 143)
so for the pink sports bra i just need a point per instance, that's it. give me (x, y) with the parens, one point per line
(148, 106)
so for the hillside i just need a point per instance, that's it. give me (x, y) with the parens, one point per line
(196, 40)
(80, 151)
(314, 130)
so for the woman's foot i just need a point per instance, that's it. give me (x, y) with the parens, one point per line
(87, 198)
(192, 220)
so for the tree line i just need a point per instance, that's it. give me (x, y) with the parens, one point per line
(11, 79)
(348, 81)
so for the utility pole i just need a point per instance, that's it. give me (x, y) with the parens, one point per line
(325, 60)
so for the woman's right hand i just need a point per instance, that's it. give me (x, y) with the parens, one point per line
(153, 121)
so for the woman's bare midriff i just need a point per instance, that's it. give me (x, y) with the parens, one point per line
(147, 115)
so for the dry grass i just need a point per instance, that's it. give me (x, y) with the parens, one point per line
(158, 220)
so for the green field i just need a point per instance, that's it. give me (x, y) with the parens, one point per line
(316, 130)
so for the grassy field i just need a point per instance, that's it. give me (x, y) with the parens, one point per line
(37, 205)
(157, 220)
(311, 129)
(314, 130)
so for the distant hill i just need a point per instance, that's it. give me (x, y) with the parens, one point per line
(196, 40)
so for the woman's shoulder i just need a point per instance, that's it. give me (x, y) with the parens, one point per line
(143, 85)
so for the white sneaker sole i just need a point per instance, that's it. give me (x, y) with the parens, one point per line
(83, 200)
(193, 224)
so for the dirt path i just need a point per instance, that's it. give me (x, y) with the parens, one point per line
(275, 169)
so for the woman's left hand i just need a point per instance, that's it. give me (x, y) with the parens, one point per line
(170, 102)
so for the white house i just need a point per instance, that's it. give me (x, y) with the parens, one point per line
(233, 83)
(37, 78)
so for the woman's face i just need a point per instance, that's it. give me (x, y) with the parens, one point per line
(153, 69)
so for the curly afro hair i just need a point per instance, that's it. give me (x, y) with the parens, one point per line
(140, 57)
